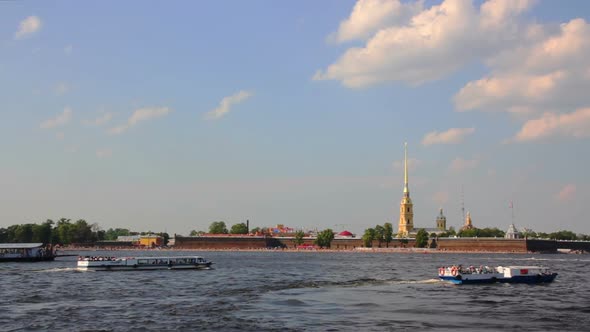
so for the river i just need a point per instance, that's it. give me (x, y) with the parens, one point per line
(293, 291)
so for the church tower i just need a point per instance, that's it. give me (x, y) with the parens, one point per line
(406, 213)
(441, 221)
(468, 223)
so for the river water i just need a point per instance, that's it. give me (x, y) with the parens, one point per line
(291, 291)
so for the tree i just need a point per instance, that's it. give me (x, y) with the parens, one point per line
(368, 237)
(388, 233)
(23, 233)
(324, 238)
(299, 235)
(240, 228)
(255, 230)
(421, 238)
(42, 232)
(218, 227)
(3, 235)
(196, 233)
(113, 234)
(379, 235)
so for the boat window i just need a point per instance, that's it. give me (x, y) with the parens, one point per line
(142, 261)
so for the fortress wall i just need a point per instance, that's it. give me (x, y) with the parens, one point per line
(198, 242)
(260, 242)
(482, 244)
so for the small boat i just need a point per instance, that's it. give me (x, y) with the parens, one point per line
(25, 252)
(458, 274)
(101, 263)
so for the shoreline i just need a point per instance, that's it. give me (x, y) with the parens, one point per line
(289, 250)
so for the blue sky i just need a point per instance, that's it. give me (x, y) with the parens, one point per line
(168, 117)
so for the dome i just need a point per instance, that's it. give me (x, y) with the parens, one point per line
(345, 233)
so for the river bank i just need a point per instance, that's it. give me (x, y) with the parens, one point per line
(291, 250)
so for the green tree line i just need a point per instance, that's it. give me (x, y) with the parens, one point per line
(64, 231)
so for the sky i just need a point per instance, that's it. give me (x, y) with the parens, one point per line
(160, 116)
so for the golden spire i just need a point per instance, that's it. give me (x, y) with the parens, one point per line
(406, 190)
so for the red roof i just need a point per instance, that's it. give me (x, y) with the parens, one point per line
(345, 233)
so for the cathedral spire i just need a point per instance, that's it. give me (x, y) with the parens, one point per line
(406, 189)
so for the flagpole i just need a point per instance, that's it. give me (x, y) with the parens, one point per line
(512, 211)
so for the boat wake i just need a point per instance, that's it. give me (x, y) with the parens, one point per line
(427, 281)
(59, 269)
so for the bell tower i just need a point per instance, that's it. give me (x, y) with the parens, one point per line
(406, 213)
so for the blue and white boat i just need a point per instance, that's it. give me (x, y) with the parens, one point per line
(101, 263)
(458, 274)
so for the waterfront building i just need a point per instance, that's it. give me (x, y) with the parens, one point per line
(512, 232)
(406, 216)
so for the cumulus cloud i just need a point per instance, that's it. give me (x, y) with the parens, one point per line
(226, 104)
(99, 121)
(566, 193)
(27, 27)
(543, 74)
(460, 164)
(60, 120)
(369, 16)
(451, 136)
(142, 114)
(431, 45)
(575, 124)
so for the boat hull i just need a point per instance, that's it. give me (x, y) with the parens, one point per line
(143, 263)
(142, 268)
(530, 279)
(27, 259)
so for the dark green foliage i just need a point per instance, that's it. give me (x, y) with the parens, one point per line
(379, 235)
(324, 238)
(368, 237)
(218, 227)
(388, 233)
(484, 232)
(240, 228)
(299, 235)
(421, 238)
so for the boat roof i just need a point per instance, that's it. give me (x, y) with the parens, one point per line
(20, 245)
(159, 257)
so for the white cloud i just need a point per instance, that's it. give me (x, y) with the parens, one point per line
(575, 124)
(369, 16)
(104, 153)
(546, 74)
(99, 121)
(460, 164)
(566, 193)
(451, 136)
(433, 44)
(68, 49)
(60, 120)
(226, 104)
(27, 27)
(140, 115)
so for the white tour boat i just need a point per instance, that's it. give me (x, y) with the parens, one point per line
(101, 263)
(458, 274)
